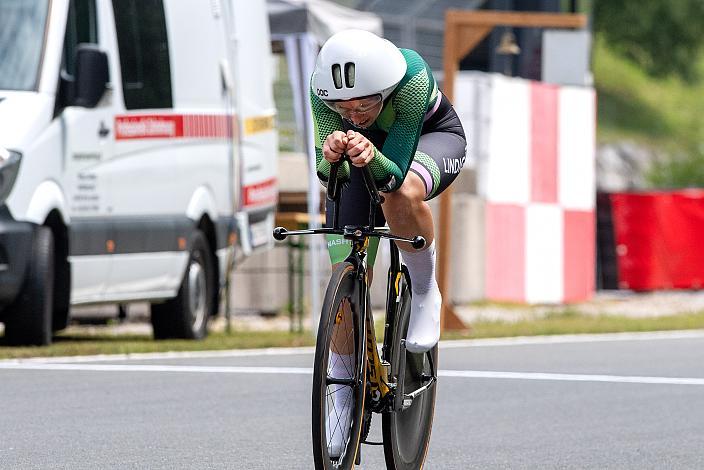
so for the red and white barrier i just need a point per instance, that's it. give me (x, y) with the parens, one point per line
(534, 146)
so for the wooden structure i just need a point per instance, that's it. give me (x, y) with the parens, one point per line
(464, 30)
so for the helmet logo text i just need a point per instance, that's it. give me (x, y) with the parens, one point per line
(322, 92)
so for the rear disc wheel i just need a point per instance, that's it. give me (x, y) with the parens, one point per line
(407, 432)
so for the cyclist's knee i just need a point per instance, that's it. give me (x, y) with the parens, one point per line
(412, 190)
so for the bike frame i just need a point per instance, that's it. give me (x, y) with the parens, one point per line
(378, 368)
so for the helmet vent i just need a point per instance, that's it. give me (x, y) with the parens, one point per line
(337, 76)
(349, 74)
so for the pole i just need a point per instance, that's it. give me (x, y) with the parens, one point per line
(464, 30)
(448, 317)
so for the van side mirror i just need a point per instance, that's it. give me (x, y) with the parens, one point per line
(92, 76)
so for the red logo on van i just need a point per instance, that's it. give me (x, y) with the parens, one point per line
(170, 126)
(261, 193)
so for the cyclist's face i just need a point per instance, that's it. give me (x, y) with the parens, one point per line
(362, 112)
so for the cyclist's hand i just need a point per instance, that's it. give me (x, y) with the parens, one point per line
(359, 149)
(334, 146)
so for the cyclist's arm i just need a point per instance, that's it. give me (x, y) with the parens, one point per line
(325, 122)
(390, 165)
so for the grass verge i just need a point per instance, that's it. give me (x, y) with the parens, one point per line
(89, 343)
(571, 322)
(567, 322)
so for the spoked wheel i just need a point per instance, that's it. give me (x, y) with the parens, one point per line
(407, 433)
(338, 376)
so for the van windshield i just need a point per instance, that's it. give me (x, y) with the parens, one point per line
(22, 24)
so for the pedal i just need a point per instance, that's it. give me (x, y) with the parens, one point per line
(386, 374)
(387, 369)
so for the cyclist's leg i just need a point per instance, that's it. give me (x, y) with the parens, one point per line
(339, 249)
(438, 160)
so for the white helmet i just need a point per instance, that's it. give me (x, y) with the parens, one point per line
(356, 63)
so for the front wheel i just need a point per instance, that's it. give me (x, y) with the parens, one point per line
(29, 318)
(339, 381)
(407, 433)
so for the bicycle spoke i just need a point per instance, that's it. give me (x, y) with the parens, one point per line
(349, 338)
(340, 423)
(344, 329)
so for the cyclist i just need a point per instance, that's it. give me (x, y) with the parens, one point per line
(382, 107)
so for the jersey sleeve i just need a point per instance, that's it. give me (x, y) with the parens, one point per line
(325, 122)
(390, 165)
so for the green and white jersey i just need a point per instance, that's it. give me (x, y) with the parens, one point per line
(401, 118)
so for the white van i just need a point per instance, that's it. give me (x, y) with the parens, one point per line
(142, 157)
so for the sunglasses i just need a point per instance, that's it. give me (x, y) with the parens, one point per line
(348, 108)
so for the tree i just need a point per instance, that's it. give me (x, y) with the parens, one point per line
(662, 36)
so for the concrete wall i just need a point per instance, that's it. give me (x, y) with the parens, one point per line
(261, 282)
(532, 145)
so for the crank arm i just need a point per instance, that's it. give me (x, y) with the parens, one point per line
(408, 399)
(399, 395)
(334, 381)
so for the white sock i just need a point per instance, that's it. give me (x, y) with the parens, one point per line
(341, 368)
(339, 413)
(341, 365)
(424, 325)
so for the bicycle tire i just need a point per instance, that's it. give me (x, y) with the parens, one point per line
(407, 433)
(342, 288)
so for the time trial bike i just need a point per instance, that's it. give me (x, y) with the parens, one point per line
(399, 385)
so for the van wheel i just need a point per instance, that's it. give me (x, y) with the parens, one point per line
(29, 318)
(62, 295)
(186, 315)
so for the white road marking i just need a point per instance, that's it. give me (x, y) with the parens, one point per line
(449, 344)
(158, 368)
(467, 374)
(576, 338)
(480, 374)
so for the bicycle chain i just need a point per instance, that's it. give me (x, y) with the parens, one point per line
(366, 424)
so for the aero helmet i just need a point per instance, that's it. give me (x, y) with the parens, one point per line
(356, 63)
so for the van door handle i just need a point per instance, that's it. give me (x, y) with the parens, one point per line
(104, 131)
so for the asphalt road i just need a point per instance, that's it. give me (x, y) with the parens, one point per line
(621, 402)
